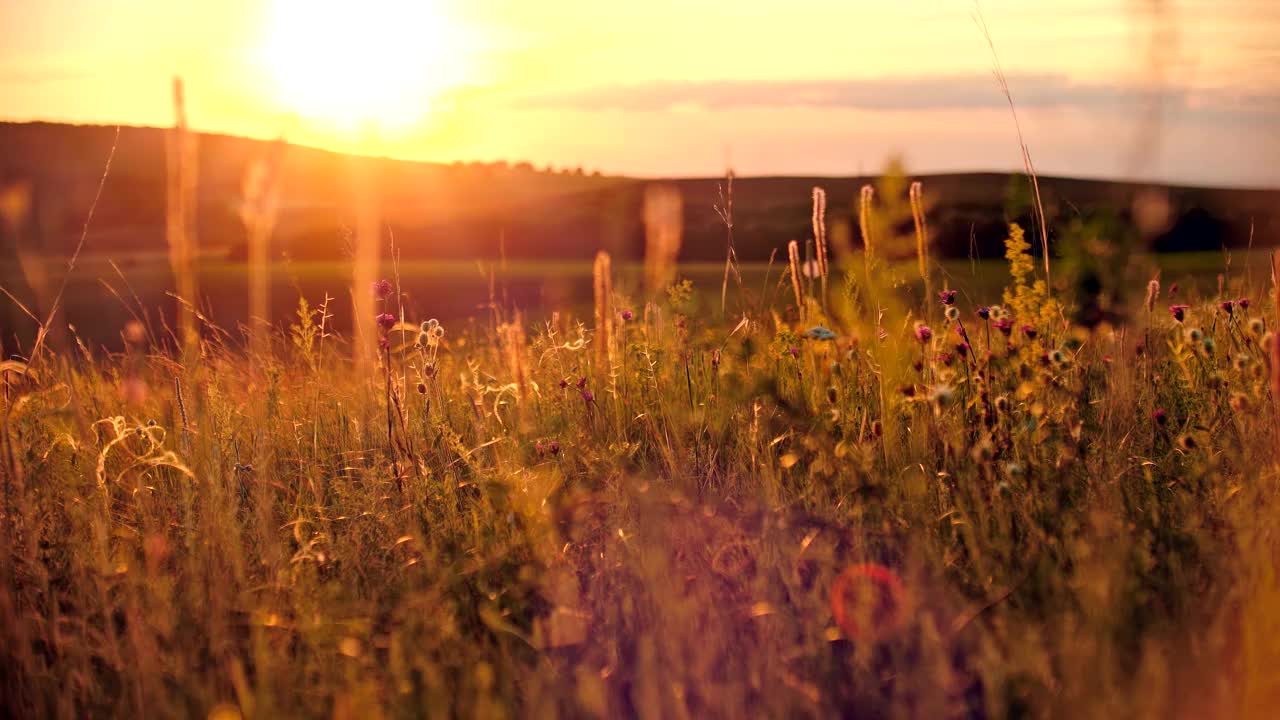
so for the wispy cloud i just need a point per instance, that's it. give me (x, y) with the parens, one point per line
(955, 92)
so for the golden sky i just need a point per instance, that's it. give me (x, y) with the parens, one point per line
(1181, 90)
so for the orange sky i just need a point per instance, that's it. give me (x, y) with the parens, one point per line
(1104, 87)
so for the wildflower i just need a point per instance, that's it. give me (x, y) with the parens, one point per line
(1160, 417)
(794, 351)
(877, 428)
(381, 289)
(386, 321)
(923, 333)
(582, 383)
(952, 313)
(554, 447)
(424, 339)
(943, 395)
(1256, 326)
(587, 397)
(539, 447)
(429, 326)
(819, 333)
(1227, 306)
(983, 451)
(564, 383)
(876, 585)
(422, 388)
(1179, 312)
(962, 349)
(984, 312)
(948, 297)
(1058, 357)
(1029, 331)
(627, 315)
(1002, 404)
(946, 358)
(1209, 345)
(1005, 326)
(1195, 335)
(384, 344)
(1186, 442)
(1243, 303)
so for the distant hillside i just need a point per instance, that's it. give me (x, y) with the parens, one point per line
(451, 211)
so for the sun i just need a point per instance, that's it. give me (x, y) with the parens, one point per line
(359, 62)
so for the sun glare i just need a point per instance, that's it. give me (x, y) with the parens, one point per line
(379, 62)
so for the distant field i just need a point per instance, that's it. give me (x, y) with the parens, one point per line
(101, 299)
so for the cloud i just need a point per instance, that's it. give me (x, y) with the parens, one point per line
(924, 93)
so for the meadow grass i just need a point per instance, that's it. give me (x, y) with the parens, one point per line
(793, 509)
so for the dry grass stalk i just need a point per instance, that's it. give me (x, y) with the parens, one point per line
(922, 238)
(261, 192)
(866, 197)
(820, 235)
(793, 259)
(180, 218)
(663, 233)
(725, 210)
(602, 275)
(1028, 166)
(364, 271)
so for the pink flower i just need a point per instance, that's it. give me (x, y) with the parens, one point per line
(923, 333)
(627, 315)
(381, 289)
(386, 321)
(1179, 312)
(948, 297)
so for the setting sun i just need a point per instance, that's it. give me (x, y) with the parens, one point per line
(382, 62)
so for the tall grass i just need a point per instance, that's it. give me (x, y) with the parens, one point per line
(182, 156)
(656, 515)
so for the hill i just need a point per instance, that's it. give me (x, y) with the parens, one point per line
(483, 210)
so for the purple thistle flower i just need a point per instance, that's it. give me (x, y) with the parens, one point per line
(1029, 331)
(587, 397)
(381, 289)
(386, 321)
(1005, 326)
(1227, 306)
(984, 312)
(563, 383)
(554, 447)
(1179, 312)
(627, 315)
(962, 349)
(1243, 303)
(1160, 417)
(945, 358)
(795, 351)
(948, 297)
(582, 383)
(923, 333)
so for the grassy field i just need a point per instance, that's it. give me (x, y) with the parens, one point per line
(856, 502)
(104, 294)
